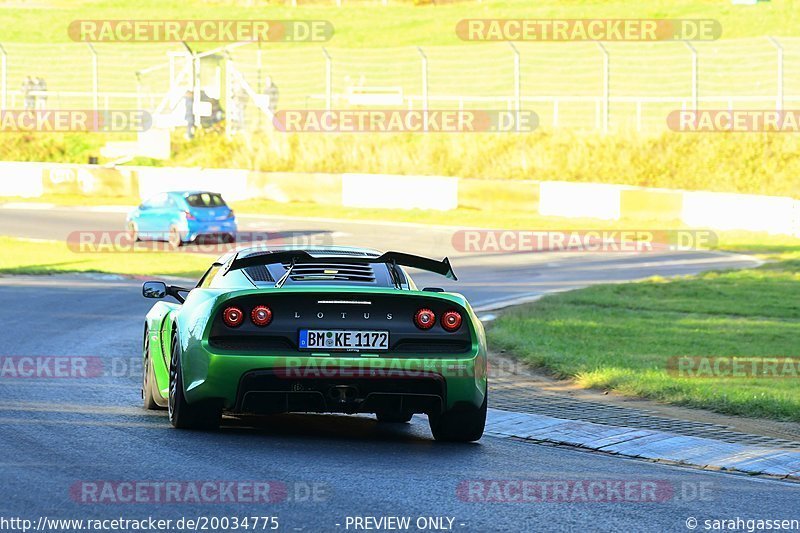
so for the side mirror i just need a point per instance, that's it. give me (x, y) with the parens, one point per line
(143, 207)
(154, 289)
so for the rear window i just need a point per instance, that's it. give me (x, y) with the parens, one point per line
(205, 199)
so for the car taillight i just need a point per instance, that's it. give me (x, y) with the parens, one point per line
(189, 215)
(232, 316)
(451, 320)
(261, 315)
(424, 319)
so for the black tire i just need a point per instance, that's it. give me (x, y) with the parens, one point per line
(149, 387)
(182, 414)
(174, 237)
(459, 426)
(394, 418)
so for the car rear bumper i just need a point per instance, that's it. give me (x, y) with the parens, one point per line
(308, 383)
(345, 391)
(195, 229)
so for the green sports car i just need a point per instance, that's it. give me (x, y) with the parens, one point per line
(316, 330)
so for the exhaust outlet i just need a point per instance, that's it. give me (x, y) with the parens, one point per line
(342, 393)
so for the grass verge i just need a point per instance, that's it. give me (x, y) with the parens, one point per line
(23, 256)
(620, 337)
(616, 337)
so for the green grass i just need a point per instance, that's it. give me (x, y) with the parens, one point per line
(363, 23)
(620, 337)
(37, 43)
(377, 46)
(53, 257)
(743, 163)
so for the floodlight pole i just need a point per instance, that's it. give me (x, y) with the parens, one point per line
(95, 78)
(328, 79)
(779, 48)
(4, 89)
(606, 85)
(517, 85)
(195, 84)
(424, 88)
(695, 77)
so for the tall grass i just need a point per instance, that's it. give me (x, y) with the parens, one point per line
(754, 163)
(744, 163)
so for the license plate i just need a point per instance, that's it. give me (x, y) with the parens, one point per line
(327, 339)
(214, 228)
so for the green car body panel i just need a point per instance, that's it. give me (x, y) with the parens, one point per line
(213, 371)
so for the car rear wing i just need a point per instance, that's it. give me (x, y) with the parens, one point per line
(442, 267)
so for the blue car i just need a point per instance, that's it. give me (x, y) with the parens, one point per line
(182, 216)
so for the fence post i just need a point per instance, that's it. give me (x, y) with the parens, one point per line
(606, 85)
(4, 89)
(424, 63)
(260, 74)
(555, 112)
(95, 79)
(695, 77)
(328, 79)
(139, 90)
(779, 48)
(517, 86)
(229, 99)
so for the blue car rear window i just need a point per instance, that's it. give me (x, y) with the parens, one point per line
(205, 199)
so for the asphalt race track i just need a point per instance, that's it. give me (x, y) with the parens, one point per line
(487, 279)
(64, 437)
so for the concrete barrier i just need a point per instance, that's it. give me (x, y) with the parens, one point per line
(231, 183)
(580, 200)
(499, 195)
(21, 179)
(773, 214)
(719, 211)
(295, 187)
(88, 180)
(399, 192)
(651, 204)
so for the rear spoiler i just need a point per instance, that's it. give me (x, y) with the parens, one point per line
(442, 267)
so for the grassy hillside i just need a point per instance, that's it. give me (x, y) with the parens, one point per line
(362, 23)
(745, 163)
